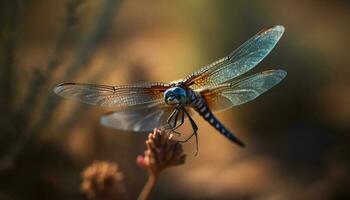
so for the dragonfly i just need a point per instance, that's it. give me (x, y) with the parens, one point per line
(214, 87)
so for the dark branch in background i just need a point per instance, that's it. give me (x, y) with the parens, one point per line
(83, 56)
(41, 81)
(92, 40)
(71, 21)
(9, 21)
(6, 71)
(8, 40)
(10, 11)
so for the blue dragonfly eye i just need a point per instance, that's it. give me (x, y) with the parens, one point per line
(179, 93)
(175, 96)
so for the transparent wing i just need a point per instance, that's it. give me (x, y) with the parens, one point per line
(238, 62)
(138, 119)
(242, 91)
(104, 95)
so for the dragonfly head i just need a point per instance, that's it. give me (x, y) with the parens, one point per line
(175, 96)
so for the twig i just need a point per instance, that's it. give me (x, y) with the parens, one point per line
(162, 152)
(39, 82)
(147, 189)
(92, 40)
(36, 87)
(83, 56)
(11, 17)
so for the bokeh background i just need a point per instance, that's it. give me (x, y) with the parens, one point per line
(297, 134)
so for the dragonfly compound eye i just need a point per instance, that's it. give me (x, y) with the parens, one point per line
(179, 92)
(170, 98)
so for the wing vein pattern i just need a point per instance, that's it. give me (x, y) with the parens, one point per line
(241, 91)
(120, 96)
(246, 57)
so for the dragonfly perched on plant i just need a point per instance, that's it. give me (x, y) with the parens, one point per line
(215, 87)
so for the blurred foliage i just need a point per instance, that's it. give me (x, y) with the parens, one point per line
(297, 134)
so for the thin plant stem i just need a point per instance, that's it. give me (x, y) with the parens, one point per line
(147, 189)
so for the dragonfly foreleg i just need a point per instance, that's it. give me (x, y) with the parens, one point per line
(182, 119)
(195, 129)
(175, 112)
(174, 125)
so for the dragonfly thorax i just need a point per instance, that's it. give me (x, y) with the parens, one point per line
(176, 96)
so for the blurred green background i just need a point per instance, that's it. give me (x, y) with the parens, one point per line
(297, 134)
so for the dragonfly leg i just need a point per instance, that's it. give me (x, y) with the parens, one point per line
(173, 125)
(182, 119)
(195, 129)
(170, 118)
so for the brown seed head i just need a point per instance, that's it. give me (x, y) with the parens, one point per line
(162, 152)
(102, 180)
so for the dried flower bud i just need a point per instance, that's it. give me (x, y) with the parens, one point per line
(102, 180)
(162, 152)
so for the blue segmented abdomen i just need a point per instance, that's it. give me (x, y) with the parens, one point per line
(202, 108)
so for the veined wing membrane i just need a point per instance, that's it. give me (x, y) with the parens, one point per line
(242, 91)
(104, 95)
(140, 118)
(246, 57)
(137, 119)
